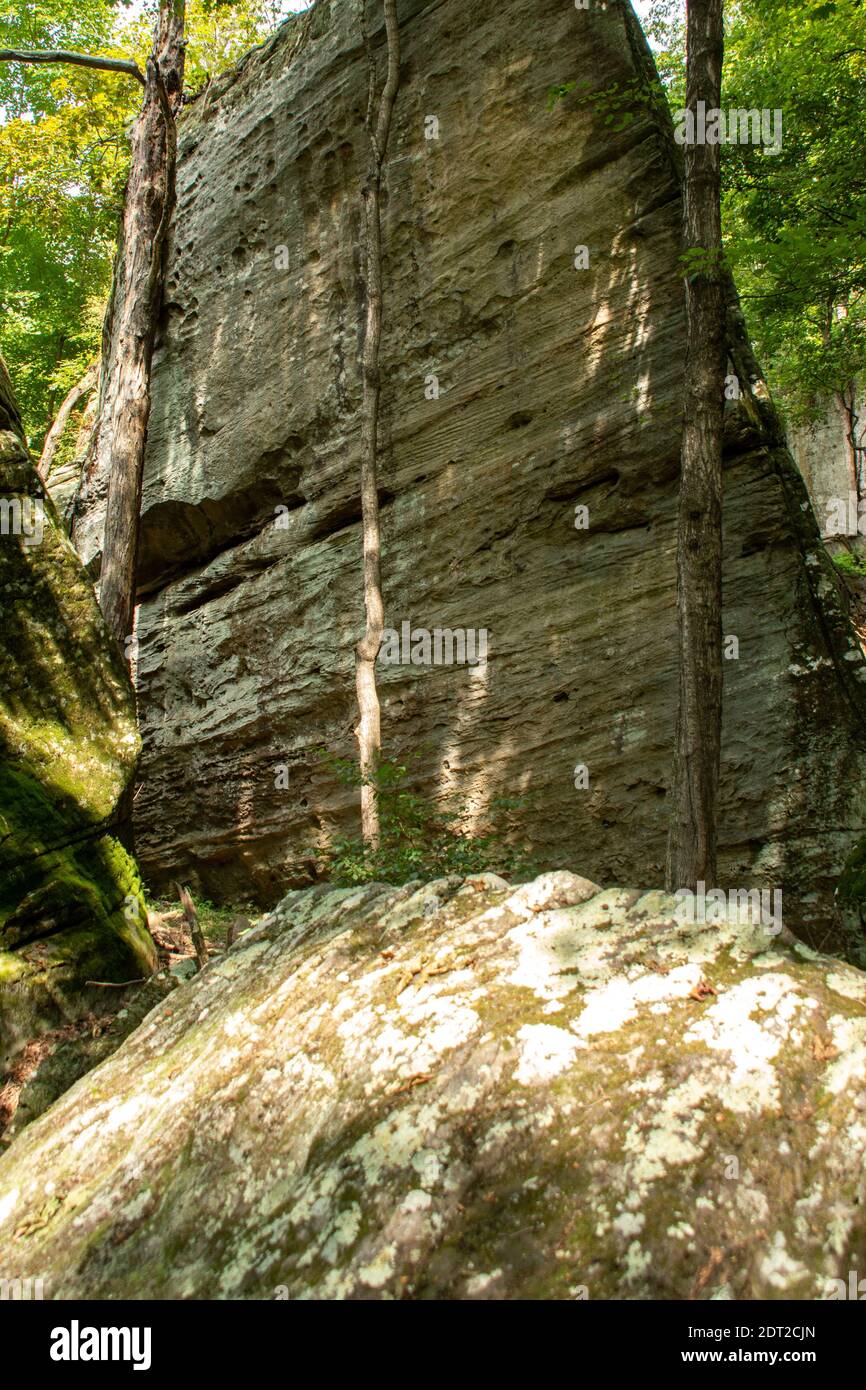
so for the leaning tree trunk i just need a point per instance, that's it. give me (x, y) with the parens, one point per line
(692, 842)
(81, 389)
(368, 731)
(125, 405)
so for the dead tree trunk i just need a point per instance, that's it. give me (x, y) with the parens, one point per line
(52, 439)
(125, 407)
(199, 944)
(368, 731)
(693, 830)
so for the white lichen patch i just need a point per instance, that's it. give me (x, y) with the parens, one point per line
(637, 1262)
(559, 888)
(849, 1069)
(778, 1268)
(749, 1084)
(555, 954)
(342, 1233)
(392, 1144)
(617, 1002)
(479, 1284)
(380, 1269)
(669, 1136)
(545, 1052)
(416, 1200)
(851, 984)
(752, 1203)
(629, 1223)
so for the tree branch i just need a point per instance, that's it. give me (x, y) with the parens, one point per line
(82, 60)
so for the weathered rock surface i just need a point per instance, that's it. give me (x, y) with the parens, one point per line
(465, 1090)
(70, 908)
(821, 453)
(559, 388)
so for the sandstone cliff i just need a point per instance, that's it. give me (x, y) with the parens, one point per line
(558, 389)
(465, 1090)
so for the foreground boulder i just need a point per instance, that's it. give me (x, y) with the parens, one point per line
(70, 897)
(465, 1090)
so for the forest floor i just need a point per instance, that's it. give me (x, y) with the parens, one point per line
(48, 1066)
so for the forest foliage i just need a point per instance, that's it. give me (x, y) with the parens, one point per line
(795, 222)
(64, 156)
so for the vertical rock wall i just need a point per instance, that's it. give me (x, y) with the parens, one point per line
(557, 388)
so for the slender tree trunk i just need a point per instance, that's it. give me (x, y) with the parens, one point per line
(692, 841)
(125, 406)
(368, 731)
(52, 439)
(847, 406)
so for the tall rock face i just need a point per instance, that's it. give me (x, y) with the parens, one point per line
(821, 451)
(529, 460)
(70, 897)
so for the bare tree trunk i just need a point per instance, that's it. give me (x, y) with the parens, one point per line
(199, 944)
(125, 408)
(368, 731)
(692, 840)
(847, 405)
(52, 439)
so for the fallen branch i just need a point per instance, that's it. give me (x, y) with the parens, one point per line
(419, 1078)
(112, 984)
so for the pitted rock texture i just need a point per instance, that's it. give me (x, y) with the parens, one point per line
(559, 388)
(465, 1090)
(71, 908)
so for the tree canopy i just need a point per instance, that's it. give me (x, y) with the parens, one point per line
(64, 157)
(794, 222)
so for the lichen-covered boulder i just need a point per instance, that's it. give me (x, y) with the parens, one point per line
(71, 908)
(465, 1090)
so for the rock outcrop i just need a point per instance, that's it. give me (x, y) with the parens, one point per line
(530, 452)
(465, 1090)
(70, 897)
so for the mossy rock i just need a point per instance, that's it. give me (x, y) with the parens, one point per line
(465, 1090)
(71, 903)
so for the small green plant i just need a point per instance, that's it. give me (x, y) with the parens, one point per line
(848, 563)
(419, 839)
(617, 105)
(556, 94)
